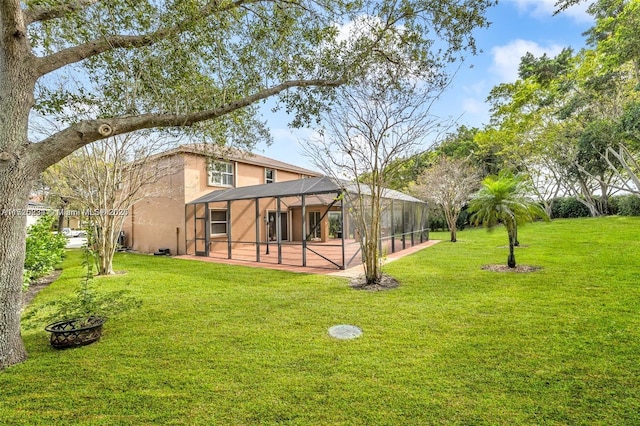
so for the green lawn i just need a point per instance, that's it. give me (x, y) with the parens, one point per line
(215, 344)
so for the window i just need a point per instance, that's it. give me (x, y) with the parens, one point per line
(218, 222)
(269, 175)
(220, 173)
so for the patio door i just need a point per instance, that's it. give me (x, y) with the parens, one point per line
(272, 229)
(314, 225)
(335, 224)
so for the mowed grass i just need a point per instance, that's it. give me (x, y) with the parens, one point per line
(229, 345)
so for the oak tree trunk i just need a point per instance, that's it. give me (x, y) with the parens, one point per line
(12, 252)
(18, 173)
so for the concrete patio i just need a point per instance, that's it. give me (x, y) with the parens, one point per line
(292, 255)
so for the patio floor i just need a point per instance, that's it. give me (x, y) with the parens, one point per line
(291, 255)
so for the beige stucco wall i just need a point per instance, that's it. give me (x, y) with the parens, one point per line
(247, 175)
(296, 224)
(196, 177)
(283, 176)
(158, 221)
(243, 221)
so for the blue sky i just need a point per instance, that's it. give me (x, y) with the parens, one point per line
(518, 27)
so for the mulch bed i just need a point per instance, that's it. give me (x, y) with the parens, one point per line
(36, 286)
(386, 283)
(505, 268)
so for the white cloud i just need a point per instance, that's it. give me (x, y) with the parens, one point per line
(506, 59)
(545, 8)
(474, 106)
(477, 88)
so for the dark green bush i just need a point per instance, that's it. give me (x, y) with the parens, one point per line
(614, 205)
(629, 205)
(568, 207)
(437, 222)
(463, 219)
(555, 204)
(44, 249)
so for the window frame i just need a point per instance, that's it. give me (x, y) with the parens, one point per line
(273, 175)
(217, 221)
(221, 175)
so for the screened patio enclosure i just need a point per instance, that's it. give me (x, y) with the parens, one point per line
(303, 222)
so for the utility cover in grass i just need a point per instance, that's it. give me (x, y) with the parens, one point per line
(345, 331)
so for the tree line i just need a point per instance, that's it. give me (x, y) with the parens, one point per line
(570, 124)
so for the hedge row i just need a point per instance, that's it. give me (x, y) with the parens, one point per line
(628, 205)
(437, 222)
(570, 207)
(563, 207)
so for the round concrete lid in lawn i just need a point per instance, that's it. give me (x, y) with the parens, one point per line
(345, 331)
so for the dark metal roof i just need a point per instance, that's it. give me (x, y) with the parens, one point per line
(292, 188)
(389, 194)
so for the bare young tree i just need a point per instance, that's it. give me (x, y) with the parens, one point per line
(368, 130)
(105, 180)
(448, 184)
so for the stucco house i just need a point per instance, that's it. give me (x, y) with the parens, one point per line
(158, 221)
(252, 208)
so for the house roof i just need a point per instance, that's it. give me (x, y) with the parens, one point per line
(235, 154)
(293, 188)
(290, 188)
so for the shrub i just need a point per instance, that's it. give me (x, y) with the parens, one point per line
(44, 249)
(556, 208)
(86, 302)
(463, 219)
(614, 205)
(629, 205)
(568, 207)
(437, 221)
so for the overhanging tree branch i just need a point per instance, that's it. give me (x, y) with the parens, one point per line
(101, 45)
(43, 13)
(59, 145)
(96, 47)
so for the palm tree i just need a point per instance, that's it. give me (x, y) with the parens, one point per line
(505, 199)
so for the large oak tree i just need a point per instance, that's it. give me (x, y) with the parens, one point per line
(198, 65)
